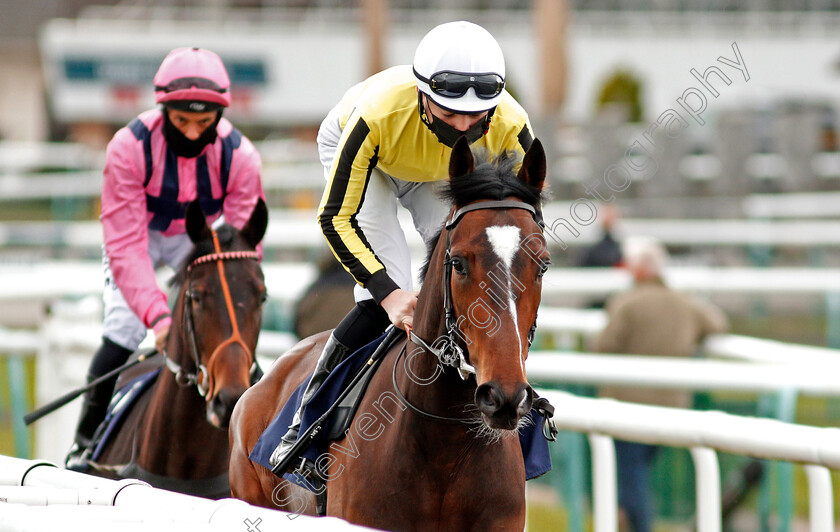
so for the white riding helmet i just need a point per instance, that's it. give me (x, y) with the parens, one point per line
(460, 66)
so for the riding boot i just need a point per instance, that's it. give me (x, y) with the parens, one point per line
(333, 354)
(95, 402)
(94, 408)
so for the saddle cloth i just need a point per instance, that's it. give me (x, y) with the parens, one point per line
(119, 407)
(534, 446)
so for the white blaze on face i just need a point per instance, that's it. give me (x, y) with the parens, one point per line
(505, 241)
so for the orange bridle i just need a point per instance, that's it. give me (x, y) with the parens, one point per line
(202, 378)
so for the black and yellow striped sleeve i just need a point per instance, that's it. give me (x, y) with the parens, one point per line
(525, 138)
(356, 157)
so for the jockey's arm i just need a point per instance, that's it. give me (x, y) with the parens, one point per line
(355, 159)
(125, 230)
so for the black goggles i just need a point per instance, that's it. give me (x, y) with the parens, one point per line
(455, 84)
(189, 83)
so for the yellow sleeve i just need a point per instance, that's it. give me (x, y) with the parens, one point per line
(356, 157)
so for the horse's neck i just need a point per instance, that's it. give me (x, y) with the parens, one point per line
(446, 395)
(175, 432)
(430, 388)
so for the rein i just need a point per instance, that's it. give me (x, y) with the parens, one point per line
(416, 410)
(201, 377)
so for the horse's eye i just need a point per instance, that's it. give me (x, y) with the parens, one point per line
(543, 268)
(263, 298)
(195, 297)
(459, 265)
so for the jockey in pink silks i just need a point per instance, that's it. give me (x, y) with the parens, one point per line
(155, 166)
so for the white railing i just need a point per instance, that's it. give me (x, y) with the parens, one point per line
(67, 341)
(52, 279)
(703, 433)
(36, 495)
(86, 235)
(697, 374)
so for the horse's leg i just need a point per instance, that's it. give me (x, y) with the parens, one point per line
(245, 482)
(245, 429)
(253, 412)
(257, 485)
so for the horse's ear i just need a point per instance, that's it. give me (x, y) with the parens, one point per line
(196, 223)
(461, 162)
(534, 166)
(254, 229)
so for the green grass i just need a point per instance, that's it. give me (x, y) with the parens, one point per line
(546, 517)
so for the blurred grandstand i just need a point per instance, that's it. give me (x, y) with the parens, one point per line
(76, 70)
(761, 143)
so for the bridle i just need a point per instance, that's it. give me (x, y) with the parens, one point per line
(451, 353)
(201, 377)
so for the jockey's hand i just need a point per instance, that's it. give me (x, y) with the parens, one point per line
(399, 305)
(161, 336)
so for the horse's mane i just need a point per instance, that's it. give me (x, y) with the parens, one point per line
(493, 179)
(226, 235)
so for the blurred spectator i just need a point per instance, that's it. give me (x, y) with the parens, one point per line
(650, 319)
(606, 253)
(326, 301)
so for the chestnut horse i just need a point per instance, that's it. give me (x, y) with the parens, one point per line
(175, 437)
(433, 447)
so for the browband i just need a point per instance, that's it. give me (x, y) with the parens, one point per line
(497, 204)
(224, 255)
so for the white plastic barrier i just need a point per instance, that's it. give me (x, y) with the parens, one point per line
(605, 419)
(40, 496)
(697, 374)
(66, 343)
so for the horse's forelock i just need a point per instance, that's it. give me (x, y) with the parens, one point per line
(494, 178)
(226, 234)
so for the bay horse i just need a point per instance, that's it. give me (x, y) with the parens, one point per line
(175, 436)
(433, 447)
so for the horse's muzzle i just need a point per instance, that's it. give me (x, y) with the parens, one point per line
(220, 408)
(500, 410)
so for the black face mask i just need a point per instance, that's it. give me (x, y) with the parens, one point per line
(447, 134)
(180, 144)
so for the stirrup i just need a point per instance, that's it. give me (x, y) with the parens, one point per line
(77, 458)
(283, 448)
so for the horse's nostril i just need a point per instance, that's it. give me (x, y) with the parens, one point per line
(221, 408)
(504, 409)
(489, 399)
(524, 400)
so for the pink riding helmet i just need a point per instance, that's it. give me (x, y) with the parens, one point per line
(192, 74)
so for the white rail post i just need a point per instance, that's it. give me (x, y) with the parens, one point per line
(708, 489)
(604, 490)
(821, 501)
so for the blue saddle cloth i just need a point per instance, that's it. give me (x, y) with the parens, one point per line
(119, 407)
(534, 446)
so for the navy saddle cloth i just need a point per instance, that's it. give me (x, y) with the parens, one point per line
(119, 407)
(534, 446)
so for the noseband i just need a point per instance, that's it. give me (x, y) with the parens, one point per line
(201, 377)
(451, 353)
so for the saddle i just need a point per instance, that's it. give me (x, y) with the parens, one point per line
(330, 413)
(131, 385)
